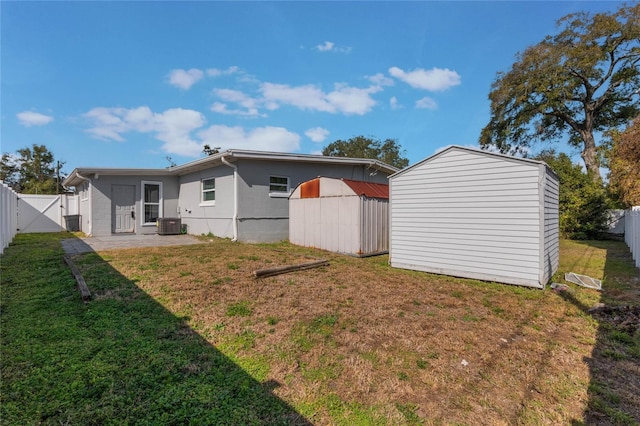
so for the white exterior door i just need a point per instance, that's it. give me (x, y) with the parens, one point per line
(123, 209)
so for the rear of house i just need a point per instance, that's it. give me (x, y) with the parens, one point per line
(476, 214)
(237, 194)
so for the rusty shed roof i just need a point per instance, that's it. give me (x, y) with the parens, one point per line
(368, 189)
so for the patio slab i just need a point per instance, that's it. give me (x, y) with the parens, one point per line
(112, 242)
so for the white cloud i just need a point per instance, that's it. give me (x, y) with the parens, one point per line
(393, 103)
(317, 134)
(325, 47)
(303, 97)
(426, 103)
(329, 46)
(352, 100)
(381, 80)
(214, 72)
(184, 79)
(434, 80)
(276, 139)
(221, 108)
(249, 104)
(173, 127)
(30, 118)
(344, 99)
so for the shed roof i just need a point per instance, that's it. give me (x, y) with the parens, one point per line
(368, 189)
(476, 151)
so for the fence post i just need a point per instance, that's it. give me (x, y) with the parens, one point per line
(632, 232)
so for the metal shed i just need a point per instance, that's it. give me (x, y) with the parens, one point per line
(476, 214)
(340, 215)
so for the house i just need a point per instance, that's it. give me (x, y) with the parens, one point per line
(340, 215)
(239, 194)
(476, 214)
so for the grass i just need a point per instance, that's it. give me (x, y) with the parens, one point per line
(121, 359)
(169, 339)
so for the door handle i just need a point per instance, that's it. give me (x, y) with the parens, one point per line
(133, 214)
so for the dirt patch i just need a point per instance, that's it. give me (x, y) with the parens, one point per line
(625, 318)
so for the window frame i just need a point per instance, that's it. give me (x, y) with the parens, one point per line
(144, 203)
(279, 194)
(84, 191)
(204, 202)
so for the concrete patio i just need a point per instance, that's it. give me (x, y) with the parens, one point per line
(112, 242)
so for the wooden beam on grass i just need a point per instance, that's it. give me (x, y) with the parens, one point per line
(269, 272)
(82, 285)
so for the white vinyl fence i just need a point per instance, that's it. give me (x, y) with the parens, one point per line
(27, 213)
(8, 215)
(632, 232)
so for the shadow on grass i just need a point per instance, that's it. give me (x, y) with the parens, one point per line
(122, 358)
(614, 365)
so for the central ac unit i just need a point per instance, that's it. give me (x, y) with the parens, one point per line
(169, 226)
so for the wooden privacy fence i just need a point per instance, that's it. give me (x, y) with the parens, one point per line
(26, 213)
(632, 232)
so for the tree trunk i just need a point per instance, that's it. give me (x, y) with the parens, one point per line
(590, 156)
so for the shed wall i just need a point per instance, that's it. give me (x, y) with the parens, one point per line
(328, 223)
(468, 214)
(551, 227)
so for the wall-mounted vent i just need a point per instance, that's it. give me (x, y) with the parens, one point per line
(169, 226)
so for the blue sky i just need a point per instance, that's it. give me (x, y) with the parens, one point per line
(128, 84)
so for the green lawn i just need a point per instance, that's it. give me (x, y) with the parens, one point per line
(125, 360)
(186, 336)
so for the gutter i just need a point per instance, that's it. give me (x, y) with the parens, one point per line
(235, 196)
(86, 179)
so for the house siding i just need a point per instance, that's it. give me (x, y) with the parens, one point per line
(468, 214)
(244, 205)
(208, 219)
(100, 217)
(263, 218)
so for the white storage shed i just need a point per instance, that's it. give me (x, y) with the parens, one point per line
(476, 214)
(340, 215)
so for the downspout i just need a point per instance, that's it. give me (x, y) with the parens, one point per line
(235, 196)
(86, 179)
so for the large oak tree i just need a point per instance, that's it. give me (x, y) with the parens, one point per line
(624, 164)
(387, 151)
(582, 81)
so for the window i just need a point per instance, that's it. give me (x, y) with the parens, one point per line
(84, 191)
(278, 186)
(208, 187)
(152, 202)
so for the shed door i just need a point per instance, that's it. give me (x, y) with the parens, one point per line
(123, 205)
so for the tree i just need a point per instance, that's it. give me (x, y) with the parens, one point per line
(624, 164)
(32, 171)
(9, 170)
(580, 81)
(583, 202)
(388, 151)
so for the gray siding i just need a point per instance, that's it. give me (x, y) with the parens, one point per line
(204, 219)
(263, 218)
(97, 211)
(468, 214)
(551, 226)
